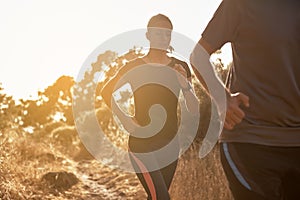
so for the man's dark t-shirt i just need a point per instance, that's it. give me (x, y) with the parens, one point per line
(265, 38)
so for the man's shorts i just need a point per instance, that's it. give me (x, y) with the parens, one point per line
(261, 172)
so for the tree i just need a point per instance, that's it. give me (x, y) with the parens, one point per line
(53, 104)
(10, 113)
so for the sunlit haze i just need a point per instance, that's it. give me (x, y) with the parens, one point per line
(42, 40)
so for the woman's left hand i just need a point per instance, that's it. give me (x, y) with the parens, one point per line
(182, 76)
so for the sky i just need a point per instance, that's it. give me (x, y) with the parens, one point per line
(41, 40)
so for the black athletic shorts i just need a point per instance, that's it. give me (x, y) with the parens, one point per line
(259, 172)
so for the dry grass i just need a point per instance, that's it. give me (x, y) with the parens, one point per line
(197, 178)
(24, 162)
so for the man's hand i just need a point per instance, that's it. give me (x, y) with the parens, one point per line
(234, 114)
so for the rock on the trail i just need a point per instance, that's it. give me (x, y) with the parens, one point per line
(60, 180)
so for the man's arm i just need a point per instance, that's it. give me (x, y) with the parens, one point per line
(214, 86)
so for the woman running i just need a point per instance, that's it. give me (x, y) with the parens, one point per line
(156, 182)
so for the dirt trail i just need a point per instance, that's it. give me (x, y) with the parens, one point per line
(101, 182)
